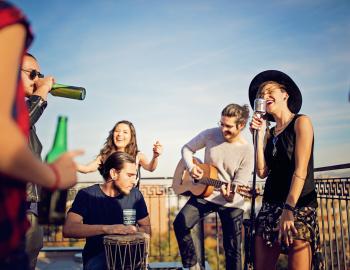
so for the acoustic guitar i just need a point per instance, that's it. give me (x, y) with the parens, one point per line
(184, 184)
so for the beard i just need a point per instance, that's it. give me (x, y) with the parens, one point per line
(119, 190)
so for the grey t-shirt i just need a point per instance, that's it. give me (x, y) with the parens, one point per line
(234, 162)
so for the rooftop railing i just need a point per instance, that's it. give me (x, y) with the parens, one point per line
(333, 190)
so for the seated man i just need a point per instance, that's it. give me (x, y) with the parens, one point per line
(105, 208)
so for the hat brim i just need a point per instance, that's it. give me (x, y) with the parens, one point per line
(295, 99)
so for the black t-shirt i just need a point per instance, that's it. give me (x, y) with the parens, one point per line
(280, 159)
(97, 208)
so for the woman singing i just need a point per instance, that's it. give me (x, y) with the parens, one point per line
(287, 220)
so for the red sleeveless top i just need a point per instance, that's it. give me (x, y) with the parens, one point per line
(13, 221)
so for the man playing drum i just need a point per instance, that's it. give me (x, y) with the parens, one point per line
(114, 207)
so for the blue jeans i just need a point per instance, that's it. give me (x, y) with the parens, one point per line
(231, 221)
(97, 262)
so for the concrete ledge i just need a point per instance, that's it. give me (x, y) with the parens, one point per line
(61, 249)
(171, 266)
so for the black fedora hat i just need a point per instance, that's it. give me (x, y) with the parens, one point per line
(295, 99)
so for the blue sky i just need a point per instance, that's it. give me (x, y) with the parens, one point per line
(171, 66)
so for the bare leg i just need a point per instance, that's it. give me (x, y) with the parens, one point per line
(300, 256)
(265, 257)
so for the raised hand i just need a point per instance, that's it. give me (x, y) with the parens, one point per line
(157, 149)
(257, 123)
(43, 86)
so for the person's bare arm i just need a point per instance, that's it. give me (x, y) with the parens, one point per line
(75, 228)
(16, 159)
(303, 147)
(89, 167)
(145, 225)
(152, 165)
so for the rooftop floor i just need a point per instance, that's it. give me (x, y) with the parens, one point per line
(59, 261)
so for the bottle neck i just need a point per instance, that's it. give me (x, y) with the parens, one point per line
(61, 134)
(60, 142)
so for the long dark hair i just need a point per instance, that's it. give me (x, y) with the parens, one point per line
(109, 147)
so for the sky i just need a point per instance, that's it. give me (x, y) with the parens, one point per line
(170, 67)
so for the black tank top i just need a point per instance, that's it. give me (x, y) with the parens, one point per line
(280, 159)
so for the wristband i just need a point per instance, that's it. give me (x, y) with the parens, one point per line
(288, 207)
(57, 177)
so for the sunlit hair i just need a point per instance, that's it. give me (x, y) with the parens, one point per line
(109, 147)
(115, 161)
(262, 88)
(240, 112)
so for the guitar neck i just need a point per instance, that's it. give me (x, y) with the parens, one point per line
(216, 183)
(212, 182)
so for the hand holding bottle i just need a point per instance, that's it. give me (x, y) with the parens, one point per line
(52, 208)
(43, 86)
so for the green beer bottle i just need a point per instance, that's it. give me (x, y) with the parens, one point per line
(67, 91)
(52, 207)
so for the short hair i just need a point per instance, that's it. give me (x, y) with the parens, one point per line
(115, 161)
(240, 112)
(30, 55)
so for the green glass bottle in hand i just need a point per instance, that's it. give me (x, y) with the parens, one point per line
(67, 91)
(52, 207)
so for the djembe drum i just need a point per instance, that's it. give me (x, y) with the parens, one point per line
(127, 252)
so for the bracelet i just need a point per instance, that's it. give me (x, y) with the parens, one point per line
(288, 207)
(57, 177)
(297, 176)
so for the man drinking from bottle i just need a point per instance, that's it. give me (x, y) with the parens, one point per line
(36, 88)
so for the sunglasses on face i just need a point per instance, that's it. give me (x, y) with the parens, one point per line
(33, 73)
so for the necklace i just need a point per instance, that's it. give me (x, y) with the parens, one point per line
(280, 129)
(276, 132)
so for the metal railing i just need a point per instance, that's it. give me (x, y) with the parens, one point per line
(334, 216)
(163, 205)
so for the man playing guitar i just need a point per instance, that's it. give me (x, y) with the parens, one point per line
(232, 155)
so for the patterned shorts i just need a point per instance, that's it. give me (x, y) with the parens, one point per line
(304, 221)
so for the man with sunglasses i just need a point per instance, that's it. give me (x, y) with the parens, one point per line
(232, 155)
(36, 88)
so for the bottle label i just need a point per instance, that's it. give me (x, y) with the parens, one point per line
(129, 216)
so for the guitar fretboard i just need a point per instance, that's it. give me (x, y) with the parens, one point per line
(211, 182)
(215, 183)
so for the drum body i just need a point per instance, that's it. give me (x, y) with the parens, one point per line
(126, 252)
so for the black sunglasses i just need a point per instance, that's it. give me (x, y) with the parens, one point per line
(33, 73)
